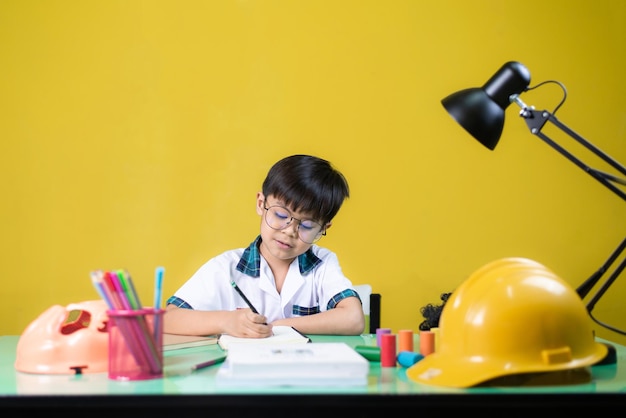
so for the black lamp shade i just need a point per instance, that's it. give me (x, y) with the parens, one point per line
(480, 111)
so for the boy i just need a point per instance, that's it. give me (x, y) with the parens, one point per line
(283, 274)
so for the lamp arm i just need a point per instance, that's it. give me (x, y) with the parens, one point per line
(605, 286)
(588, 284)
(620, 267)
(536, 120)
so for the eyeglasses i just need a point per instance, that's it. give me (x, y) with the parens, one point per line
(279, 218)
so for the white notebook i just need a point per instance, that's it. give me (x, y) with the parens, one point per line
(314, 364)
(282, 334)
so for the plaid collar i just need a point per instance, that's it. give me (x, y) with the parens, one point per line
(250, 262)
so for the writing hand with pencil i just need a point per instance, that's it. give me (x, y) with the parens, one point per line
(247, 322)
(237, 317)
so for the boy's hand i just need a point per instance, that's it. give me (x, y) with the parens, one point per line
(245, 323)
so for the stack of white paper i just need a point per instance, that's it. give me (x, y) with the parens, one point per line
(314, 364)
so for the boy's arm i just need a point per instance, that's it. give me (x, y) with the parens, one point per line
(239, 323)
(345, 319)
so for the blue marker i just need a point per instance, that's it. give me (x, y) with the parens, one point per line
(158, 286)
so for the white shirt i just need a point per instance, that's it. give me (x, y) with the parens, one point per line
(318, 290)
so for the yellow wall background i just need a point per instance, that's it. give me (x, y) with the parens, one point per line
(136, 133)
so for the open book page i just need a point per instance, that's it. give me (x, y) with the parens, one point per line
(174, 341)
(282, 334)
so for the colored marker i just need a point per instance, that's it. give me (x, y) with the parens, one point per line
(209, 363)
(158, 286)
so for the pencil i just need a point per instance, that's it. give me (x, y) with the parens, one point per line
(245, 299)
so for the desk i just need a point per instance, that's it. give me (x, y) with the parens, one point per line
(187, 394)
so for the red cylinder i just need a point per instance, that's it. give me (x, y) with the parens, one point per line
(388, 350)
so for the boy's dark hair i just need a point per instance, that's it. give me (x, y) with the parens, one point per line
(308, 184)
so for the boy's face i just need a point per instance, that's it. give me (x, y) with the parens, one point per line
(293, 239)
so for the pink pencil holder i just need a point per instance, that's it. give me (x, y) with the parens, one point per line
(135, 344)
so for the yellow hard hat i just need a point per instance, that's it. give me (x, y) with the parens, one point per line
(511, 316)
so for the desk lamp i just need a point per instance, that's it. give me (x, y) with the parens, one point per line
(480, 111)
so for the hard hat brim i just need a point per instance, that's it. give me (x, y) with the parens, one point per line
(440, 369)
